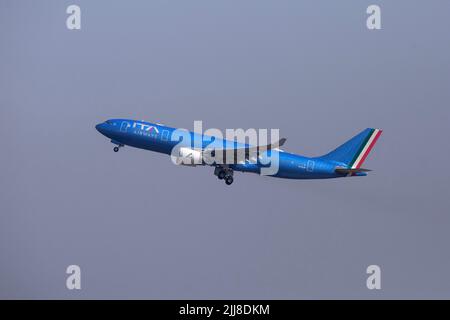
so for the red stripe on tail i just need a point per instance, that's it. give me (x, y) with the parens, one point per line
(369, 148)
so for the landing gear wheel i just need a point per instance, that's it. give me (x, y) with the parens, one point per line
(229, 180)
(116, 149)
(221, 175)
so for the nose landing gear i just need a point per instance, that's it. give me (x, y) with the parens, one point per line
(117, 148)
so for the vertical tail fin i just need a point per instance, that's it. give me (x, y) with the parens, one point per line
(353, 152)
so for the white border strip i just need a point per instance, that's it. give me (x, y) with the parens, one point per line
(361, 155)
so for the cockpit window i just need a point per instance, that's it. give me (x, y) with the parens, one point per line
(109, 122)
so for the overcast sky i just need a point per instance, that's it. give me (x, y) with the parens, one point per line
(140, 227)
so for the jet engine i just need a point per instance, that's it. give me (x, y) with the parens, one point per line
(189, 157)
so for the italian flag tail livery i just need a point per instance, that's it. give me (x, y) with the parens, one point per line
(351, 154)
(365, 148)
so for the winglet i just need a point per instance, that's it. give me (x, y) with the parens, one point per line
(281, 142)
(273, 146)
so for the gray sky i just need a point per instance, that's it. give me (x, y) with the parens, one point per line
(139, 227)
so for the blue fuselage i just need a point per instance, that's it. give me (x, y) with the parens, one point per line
(158, 138)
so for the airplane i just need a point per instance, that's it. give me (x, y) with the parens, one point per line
(344, 161)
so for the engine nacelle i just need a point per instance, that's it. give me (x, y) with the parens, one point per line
(189, 157)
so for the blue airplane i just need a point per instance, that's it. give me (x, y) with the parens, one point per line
(344, 161)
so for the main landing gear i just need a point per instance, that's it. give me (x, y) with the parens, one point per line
(229, 180)
(224, 173)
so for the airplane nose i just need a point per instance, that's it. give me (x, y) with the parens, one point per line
(100, 128)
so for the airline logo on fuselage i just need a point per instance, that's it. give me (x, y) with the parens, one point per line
(145, 127)
(139, 128)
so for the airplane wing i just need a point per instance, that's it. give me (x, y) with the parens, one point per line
(243, 153)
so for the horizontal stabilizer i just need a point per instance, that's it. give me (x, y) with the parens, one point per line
(350, 171)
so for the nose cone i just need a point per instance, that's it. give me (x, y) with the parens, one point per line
(101, 128)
